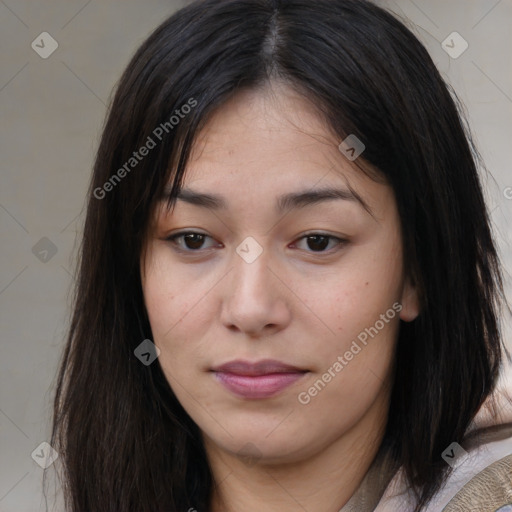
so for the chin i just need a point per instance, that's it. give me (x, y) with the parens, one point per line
(264, 442)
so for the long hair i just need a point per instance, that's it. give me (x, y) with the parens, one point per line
(124, 440)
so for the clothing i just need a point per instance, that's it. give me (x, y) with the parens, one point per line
(490, 490)
(481, 480)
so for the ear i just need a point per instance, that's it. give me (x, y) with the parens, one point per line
(410, 302)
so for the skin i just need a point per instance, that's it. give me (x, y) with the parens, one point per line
(298, 302)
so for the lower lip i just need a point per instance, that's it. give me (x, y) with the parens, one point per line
(257, 386)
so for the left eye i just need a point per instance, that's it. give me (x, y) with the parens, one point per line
(193, 242)
(318, 241)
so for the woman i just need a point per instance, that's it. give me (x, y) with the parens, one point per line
(288, 295)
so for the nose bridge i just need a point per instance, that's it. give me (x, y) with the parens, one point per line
(253, 298)
(251, 274)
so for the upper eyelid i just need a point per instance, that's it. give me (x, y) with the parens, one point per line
(179, 234)
(190, 232)
(183, 233)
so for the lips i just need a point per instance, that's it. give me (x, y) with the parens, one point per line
(261, 379)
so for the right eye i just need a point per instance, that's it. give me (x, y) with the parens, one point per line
(191, 241)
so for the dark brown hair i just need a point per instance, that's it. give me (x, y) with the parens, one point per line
(125, 442)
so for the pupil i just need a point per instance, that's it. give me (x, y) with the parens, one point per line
(190, 239)
(323, 244)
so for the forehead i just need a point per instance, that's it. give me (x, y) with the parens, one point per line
(266, 129)
(269, 142)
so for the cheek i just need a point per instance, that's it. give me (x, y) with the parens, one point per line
(167, 312)
(179, 313)
(358, 302)
(373, 280)
(168, 296)
(160, 305)
(358, 294)
(167, 302)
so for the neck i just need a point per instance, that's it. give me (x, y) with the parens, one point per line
(323, 482)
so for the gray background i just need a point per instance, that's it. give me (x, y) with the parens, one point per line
(52, 112)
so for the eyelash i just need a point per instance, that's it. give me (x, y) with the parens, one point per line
(172, 239)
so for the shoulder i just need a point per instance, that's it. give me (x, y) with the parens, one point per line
(481, 480)
(481, 476)
(490, 490)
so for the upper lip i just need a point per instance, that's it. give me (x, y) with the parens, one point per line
(263, 367)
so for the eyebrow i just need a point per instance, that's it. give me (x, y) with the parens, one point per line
(289, 201)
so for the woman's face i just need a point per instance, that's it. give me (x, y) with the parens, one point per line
(276, 344)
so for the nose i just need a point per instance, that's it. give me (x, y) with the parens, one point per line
(255, 299)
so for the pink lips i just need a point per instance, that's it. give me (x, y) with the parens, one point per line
(262, 379)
